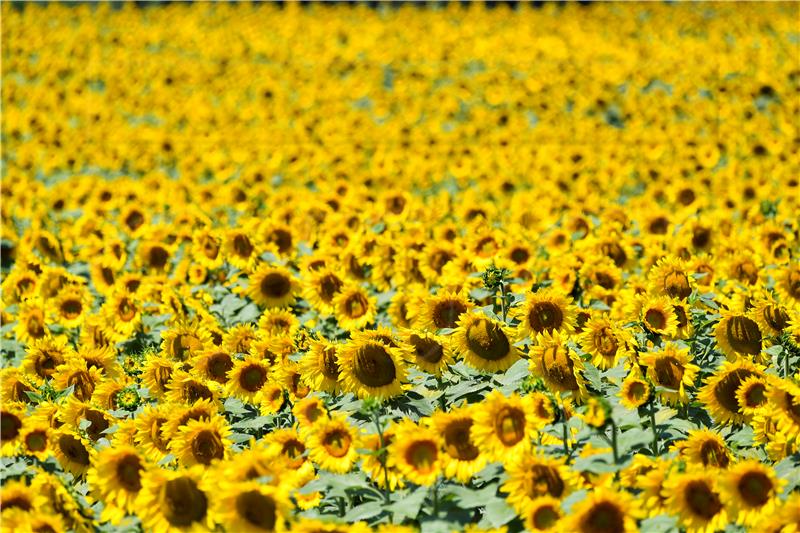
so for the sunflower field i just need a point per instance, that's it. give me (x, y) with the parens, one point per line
(438, 268)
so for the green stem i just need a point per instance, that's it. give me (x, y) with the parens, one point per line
(435, 497)
(653, 426)
(785, 363)
(565, 434)
(614, 447)
(340, 500)
(376, 416)
(503, 299)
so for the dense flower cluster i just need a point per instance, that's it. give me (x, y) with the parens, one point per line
(332, 268)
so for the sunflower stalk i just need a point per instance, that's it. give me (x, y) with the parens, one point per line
(614, 445)
(376, 418)
(652, 412)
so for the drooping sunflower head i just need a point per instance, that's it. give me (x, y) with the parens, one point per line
(737, 335)
(429, 352)
(443, 311)
(670, 369)
(371, 368)
(319, 366)
(462, 459)
(705, 448)
(771, 317)
(556, 363)
(545, 311)
(484, 343)
(670, 277)
(503, 427)
(272, 286)
(532, 476)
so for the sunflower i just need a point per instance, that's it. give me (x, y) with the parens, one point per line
(670, 277)
(272, 286)
(116, 479)
(251, 507)
(31, 321)
(752, 395)
(308, 412)
(11, 427)
(79, 375)
(188, 388)
(213, 364)
(202, 441)
(72, 451)
(151, 435)
(443, 311)
(503, 426)
(278, 323)
(737, 335)
(604, 341)
(75, 411)
(427, 351)
(784, 404)
(375, 447)
(719, 392)
(694, 497)
(704, 447)
(671, 370)
(604, 510)
(288, 444)
(787, 284)
(542, 514)
(321, 287)
(462, 458)
(123, 315)
(157, 375)
(399, 310)
(17, 494)
(353, 307)
(247, 378)
(44, 355)
(750, 489)
(415, 453)
(547, 310)
(658, 316)
(371, 368)
(35, 440)
(635, 390)
(155, 256)
(71, 306)
(771, 317)
(241, 248)
(559, 366)
(102, 358)
(319, 366)
(180, 414)
(175, 500)
(206, 246)
(184, 340)
(333, 444)
(532, 476)
(484, 343)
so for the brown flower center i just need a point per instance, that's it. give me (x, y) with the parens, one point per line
(603, 517)
(447, 312)
(487, 340)
(725, 390)
(427, 350)
(373, 366)
(743, 335)
(559, 368)
(702, 501)
(509, 425)
(252, 378)
(242, 246)
(337, 442)
(457, 442)
(73, 449)
(129, 470)
(676, 285)
(422, 455)
(545, 480)
(755, 488)
(669, 372)
(10, 424)
(219, 365)
(182, 502)
(257, 509)
(356, 305)
(275, 285)
(207, 446)
(545, 316)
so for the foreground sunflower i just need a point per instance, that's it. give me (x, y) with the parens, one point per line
(694, 497)
(333, 444)
(272, 286)
(484, 343)
(202, 441)
(175, 500)
(750, 489)
(370, 368)
(671, 370)
(737, 335)
(116, 475)
(462, 458)
(532, 476)
(415, 453)
(443, 311)
(555, 362)
(503, 427)
(604, 511)
(252, 507)
(719, 394)
(543, 514)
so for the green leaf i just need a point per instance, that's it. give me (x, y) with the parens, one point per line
(660, 524)
(364, 511)
(498, 512)
(408, 504)
(471, 498)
